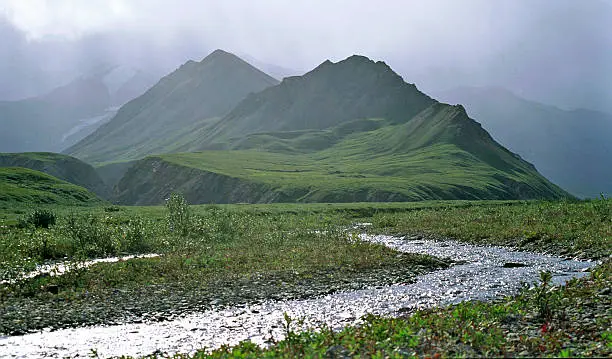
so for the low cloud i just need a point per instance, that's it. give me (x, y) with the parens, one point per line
(535, 47)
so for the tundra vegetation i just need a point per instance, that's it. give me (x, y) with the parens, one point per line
(231, 254)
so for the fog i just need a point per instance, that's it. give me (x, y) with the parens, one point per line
(558, 52)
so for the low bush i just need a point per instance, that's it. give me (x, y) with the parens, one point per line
(39, 218)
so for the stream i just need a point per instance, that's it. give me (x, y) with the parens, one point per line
(486, 273)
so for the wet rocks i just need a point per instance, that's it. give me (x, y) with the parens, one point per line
(514, 265)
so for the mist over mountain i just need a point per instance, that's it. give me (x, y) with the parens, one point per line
(571, 148)
(58, 119)
(558, 53)
(552, 52)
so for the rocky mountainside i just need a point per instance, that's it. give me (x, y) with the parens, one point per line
(331, 94)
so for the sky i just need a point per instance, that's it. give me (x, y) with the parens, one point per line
(553, 51)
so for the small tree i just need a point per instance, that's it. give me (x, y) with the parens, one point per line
(179, 220)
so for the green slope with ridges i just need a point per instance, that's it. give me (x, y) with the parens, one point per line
(440, 154)
(22, 186)
(61, 166)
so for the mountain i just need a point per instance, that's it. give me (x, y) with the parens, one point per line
(196, 94)
(63, 167)
(38, 124)
(22, 186)
(327, 96)
(572, 148)
(344, 132)
(65, 115)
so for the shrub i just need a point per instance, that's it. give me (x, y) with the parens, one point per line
(90, 236)
(134, 238)
(39, 218)
(179, 220)
(113, 208)
(546, 299)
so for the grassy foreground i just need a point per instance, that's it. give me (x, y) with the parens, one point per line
(283, 246)
(569, 321)
(210, 256)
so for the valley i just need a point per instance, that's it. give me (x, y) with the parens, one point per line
(220, 212)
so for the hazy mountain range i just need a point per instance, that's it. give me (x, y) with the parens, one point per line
(221, 130)
(63, 116)
(571, 148)
(174, 109)
(346, 131)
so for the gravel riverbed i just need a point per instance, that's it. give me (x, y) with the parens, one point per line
(485, 273)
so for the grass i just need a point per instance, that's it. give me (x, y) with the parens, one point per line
(20, 187)
(63, 167)
(338, 175)
(228, 247)
(573, 228)
(569, 321)
(438, 154)
(208, 254)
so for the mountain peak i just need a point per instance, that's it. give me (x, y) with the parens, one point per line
(219, 54)
(357, 66)
(358, 59)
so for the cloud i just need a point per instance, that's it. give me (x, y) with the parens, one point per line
(533, 46)
(65, 18)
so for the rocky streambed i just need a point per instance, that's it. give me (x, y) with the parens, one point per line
(485, 273)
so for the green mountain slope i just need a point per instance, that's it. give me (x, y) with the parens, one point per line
(63, 167)
(439, 154)
(22, 186)
(183, 101)
(572, 148)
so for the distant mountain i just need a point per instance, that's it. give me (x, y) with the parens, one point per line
(196, 94)
(63, 167)
(572, 148)
(65, 115)
(346, 131)
(124, 83)
(276, 71)
(22, 186)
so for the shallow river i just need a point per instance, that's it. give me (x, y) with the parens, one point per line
(489, 272)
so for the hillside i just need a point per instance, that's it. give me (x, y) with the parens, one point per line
(569, 147)
(22, 186)
(349, 131)
(195, 95)
(63, 167)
